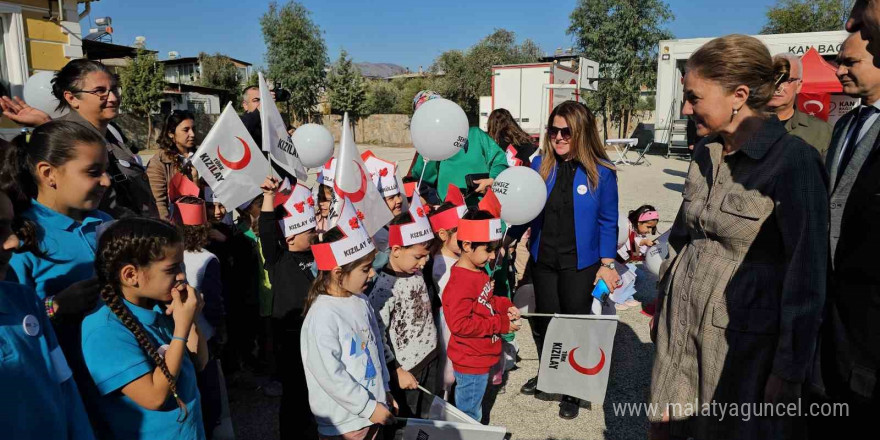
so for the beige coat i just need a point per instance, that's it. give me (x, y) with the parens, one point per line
(160, 170)
(742, 297)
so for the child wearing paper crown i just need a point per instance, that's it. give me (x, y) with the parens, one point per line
(400, 298)
(444, 222)
(384, 176)
(287, 228)
(475, 316)
(341, 343)
(202, 270)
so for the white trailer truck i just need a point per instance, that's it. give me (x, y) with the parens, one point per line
(531, 91)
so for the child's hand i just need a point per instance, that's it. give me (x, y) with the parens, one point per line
(513, 313)
(515, 325)
(184, 306)
(381, 415)
(646, 242)
(270, 186)
(406, 380)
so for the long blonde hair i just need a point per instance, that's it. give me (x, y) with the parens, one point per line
(586, 147)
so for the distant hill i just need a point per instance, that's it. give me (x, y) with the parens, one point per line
(380, 70)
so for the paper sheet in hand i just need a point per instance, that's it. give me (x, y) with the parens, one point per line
(418, 429)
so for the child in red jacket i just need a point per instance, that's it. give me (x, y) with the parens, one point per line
(476, 318)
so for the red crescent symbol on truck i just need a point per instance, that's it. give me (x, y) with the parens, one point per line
(239, 164)
(584, 370)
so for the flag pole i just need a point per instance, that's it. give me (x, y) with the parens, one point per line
(558, 315)
(422, 176)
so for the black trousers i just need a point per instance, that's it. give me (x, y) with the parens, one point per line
(565, 291)
(416, 403)
(295, 415)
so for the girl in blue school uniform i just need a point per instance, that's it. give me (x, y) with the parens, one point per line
(142, 346)
(33, 371)
(57, 178)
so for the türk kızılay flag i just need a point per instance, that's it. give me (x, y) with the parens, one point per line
(230, 162)
(353, 181)
(419, 429)
(276, 139)
(576, 359)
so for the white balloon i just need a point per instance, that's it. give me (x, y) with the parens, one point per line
(38, 94)
(439, 129)
(622, 230)
(314, 144)
(657, 253)
(522, 194)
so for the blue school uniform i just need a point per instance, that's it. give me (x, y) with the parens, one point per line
(69, 248)
(115, 359)
(40, 399)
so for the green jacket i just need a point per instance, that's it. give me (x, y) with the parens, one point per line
(811, 129)
(483, 156)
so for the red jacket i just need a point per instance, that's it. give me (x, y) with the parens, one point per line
(475, 318)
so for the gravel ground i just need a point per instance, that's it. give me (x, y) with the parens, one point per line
(255, 416)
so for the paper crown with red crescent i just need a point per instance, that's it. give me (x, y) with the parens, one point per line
(300, 211)
(328, 173)
(415, 232)
(187, 208)
(383, 173)
(480, 231)
(355, 243)
(448, 218)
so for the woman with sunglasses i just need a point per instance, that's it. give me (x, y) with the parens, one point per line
(177, 142)
(90, 91)
(573, 242)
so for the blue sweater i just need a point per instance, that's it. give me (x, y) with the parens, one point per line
(595, 214)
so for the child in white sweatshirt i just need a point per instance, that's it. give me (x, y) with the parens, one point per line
(341, 345)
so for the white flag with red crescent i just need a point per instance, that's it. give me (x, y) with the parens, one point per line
(276, 140)
(230, 161)
(576, 359)
(420, 429)
(353, 181)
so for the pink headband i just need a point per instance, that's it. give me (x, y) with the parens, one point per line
(649, 215)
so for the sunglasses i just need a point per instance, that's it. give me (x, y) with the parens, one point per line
(553, 131)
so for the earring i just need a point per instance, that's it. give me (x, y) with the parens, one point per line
(735, 111)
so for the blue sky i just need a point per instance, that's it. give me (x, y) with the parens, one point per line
(409, 33)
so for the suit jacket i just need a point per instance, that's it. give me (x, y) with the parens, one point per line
(851, 332)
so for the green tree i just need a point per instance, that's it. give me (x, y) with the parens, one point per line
(467, 75)
(382, 97)
(790, 16)
(219, 72)
(296, 55)
(407, 90)
(143, 81)
(622, 36)
(347, 89)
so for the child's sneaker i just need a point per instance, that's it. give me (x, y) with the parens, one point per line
(621, 306)
(632, 302)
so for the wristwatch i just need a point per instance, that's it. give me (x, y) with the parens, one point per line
(609, 265)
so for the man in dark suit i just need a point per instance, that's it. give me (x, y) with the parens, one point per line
(850, 341)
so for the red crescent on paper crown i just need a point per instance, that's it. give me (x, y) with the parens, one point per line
(591, 371)
(358, 195)
(239, 164)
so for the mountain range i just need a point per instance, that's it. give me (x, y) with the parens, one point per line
(380, 70)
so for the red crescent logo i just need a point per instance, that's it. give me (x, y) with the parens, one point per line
(241, 163)
(583, 370)
(358, 195)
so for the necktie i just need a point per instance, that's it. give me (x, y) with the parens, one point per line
(864, 113)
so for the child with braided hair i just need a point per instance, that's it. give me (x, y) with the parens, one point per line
(142, 345)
